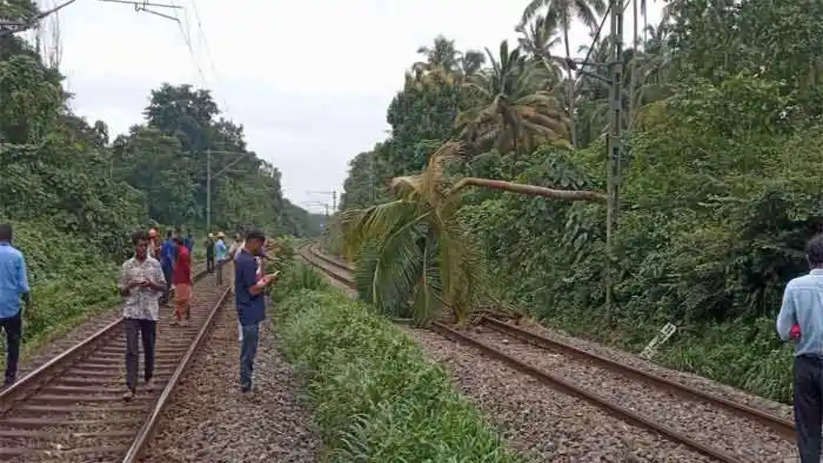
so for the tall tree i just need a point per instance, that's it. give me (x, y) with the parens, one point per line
(183, 112)
(538, 38)
(512, 113)
(564, 10)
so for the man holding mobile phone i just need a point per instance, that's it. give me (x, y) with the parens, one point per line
(141, 284)
(251, 305)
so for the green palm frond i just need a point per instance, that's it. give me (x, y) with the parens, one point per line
(412, 253)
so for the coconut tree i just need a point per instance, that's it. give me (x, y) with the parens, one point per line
(538, 38)
(413, 254)
(512, 113)
(564, 11)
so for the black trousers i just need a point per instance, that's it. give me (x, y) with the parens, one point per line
(147, 330)
(808, 406)
(13, 327)
(167, 274)
(210, 264)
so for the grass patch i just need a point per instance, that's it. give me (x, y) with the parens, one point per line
(375, 396)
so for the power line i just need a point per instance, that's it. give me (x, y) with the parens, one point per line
(187, 40)
(204, 38)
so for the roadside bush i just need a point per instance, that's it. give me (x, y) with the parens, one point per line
(375, 397)
(295, 276)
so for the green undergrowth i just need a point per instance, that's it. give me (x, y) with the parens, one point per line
(375, 397)
(70, 281)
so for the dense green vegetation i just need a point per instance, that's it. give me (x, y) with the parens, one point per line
(74, 198)
(720, 188)
(375, 397)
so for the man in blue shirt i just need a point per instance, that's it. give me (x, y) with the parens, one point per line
(168, 256)
(220, 253)
(14, 284)
(188, 242)
(251, 305)
(801, 319)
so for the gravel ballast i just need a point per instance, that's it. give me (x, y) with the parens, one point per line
(704, 422)
(544, 424)
(689, 379)
(210, 420)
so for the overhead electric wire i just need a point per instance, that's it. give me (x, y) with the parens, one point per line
(597, 34)
(204, 39)
(187, 40)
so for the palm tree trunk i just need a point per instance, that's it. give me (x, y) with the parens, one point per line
(570, 82)
(531, 190)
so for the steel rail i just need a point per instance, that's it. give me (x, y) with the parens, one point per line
(781, 426)
(146, 431)
(778, 424)
(572, 389)
(50, 373)
(330, 260)
(42, 375)
(311, 260)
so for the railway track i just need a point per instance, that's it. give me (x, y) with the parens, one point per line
(71, 408)
(713, 426)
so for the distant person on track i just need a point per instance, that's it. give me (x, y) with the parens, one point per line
(251, 305)
(801, 319)
(14, 285)
(168, 255)
(234, 251)
(220, 253)
(188, 242)
(182, 284)
(154, 245)
(141, 284)
(209, 244)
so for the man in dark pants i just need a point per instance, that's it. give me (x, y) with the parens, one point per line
(141, 284)
(168, 256)
(210, 253)
(14, 284)
(251, 305)
(801, 319)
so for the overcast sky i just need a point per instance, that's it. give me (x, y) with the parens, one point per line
(309, 80)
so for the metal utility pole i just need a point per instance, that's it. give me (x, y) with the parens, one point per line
(614, 142)
(333, 197)
(142, 4)
(632, 77)
(318, 203)
(209, 177)
(208, 190)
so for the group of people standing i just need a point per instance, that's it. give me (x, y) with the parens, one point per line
(147, 279)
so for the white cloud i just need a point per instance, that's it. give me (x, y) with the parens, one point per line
(310, 80)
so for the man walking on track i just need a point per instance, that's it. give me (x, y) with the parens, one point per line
(801, 319)
(14, 284)
(168, 254)
(251, 305)
(182, 283)
(141, 283)
(210, 253)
